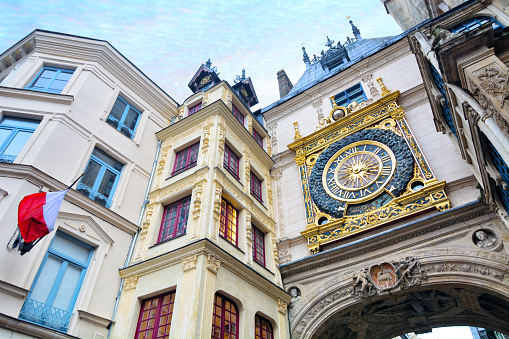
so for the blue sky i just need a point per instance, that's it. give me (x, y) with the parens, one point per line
(169, 40)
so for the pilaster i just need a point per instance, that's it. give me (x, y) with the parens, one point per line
(189, 291)
(123, 317)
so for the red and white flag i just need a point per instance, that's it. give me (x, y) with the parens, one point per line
(37, 214)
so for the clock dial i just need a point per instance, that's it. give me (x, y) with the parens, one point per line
(359, 171)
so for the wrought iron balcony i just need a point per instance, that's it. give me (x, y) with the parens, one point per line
(46, 315)
(7, 158)
(94, 195)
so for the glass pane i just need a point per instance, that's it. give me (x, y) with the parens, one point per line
(19, 122)
(44, 79)
(67, 287)
(65, 75)
(46, 279)
(91, 173)
(131, 118)
(107, 159)
(107, 182)
(4, 134)
(58, 85)
(71, 248)
(118, 109)
(17, 143)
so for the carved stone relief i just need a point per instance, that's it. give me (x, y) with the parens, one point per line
(213, 264)
(276, 175)
(367, 78)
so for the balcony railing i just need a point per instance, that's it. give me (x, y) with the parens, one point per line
(46, 315)
(114, 122)
(94, 195)
(9, 159)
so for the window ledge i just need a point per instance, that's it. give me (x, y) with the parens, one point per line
(220, 236)
(263, 267)
(13, 290)
(63, 99)
(94, 319)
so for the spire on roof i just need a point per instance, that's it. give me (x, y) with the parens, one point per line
(208, 63)
(355, 31)
(329, 42)
(305, 55)
(240, 78)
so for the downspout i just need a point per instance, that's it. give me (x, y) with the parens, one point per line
(135, 236)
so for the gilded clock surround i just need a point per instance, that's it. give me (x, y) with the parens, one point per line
(412, 187)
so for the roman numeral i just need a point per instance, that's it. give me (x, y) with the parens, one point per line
(386, 171)
(386, 158)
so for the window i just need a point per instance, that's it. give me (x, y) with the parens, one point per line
(263, 328)
(474, 23)
(258, 138)
(446, 112)
(155, 317)
(225, 322)
(256, 187)
(185, 159)
(14, 134)
(101, 178)
(194, 109)
(51, 79)
(237, 114)
(503, 169)
(228, 222)
(174, 219)
(231, 162)
(352, 94)
(124, 117)
(57, 284)
(258, 246)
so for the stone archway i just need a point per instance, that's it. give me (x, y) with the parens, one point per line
(453, 286)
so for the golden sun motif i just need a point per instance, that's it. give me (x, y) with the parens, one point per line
(357, 171)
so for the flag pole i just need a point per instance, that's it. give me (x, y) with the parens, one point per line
(75, 181)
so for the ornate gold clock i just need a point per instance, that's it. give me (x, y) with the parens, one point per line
(361, 170)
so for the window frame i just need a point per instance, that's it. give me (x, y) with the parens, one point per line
(237, 114)
(258, 246)
(256, 187)
(182, 206)
(193, 109)
(188, 152)
(66, 261)
(93, 191)
(47, 88)
(222, 307)
(474, 23)
(110, 120)
(348, 97)
(158, 316)
(262, 333)
(230, 158)
(227, 226)
(14, 131)
(258, 138)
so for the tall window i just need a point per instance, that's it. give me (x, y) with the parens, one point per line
(175, 219)
(258, 137)
(155, 317)
(124, 117)
(51, 79)
(258, 246)
(256, 187)
(476, 22)
(101, 178)
(186, 159)
(263, 328)
(194, 109)
(237, 114)
(229, 222)
(225, 323)
(354, 93)
(14, 134)
(231, 162)
(57, 284)
(446, 112)
(503, 169)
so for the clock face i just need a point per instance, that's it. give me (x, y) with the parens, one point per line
(359, 171)
(353, 173)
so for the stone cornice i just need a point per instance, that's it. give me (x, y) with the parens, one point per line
(35, 95)
(94, 319)
(39, 178)
(30, 329)
(101, 52)
(13, 290)
(206, 247)
(219, 108)
(385, 239)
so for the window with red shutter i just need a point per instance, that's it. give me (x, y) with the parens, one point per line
(263, 328)
(237, 114)
(174, 221)
(231, 162)
(228, 222)
(194, 109)
(256, 187)
(258, 246)
(186, 159)
(225, 322)
(258, 138)
(155, 317)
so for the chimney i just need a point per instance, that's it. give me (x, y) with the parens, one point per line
(285, 85)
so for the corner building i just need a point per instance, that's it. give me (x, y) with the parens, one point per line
(206, 259)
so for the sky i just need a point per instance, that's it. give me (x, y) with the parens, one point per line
(169, 40)
(462, 332)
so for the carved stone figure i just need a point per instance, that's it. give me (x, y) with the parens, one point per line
(442, 36)
(483, 239)
(295, 293)
(361, 279)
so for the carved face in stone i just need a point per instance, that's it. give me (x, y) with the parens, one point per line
(294, 292)
(481, 235)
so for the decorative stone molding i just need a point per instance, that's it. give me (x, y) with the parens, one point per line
(217, 210)
(275, 251)
(189, 263)
(213, 264)
(249, 238)
(284, 252)
(277, 173)
(198, 191)
(273, 137)
(247, 169)
(367, 78)
(317, 105)
(229, 100)
(297, 133)
(144, 233)
(220, 146)
(130, 283)
(161, 166)
(205, 146)
(250, 124)
(282, 307)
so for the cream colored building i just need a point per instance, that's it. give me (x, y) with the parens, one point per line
(70, 105)
(206, 258)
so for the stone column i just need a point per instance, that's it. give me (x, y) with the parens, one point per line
(282, 309)
(189, 291)
(123, 317)
(208, 296)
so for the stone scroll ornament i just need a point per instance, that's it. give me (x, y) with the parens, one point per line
(386, 276)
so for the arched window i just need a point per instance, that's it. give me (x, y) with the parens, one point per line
(225, 322)
(263, 328)
(476, 22)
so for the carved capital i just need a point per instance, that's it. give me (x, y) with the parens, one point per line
(282, 307)
(213, 264)
(189, 263)
(130, 283)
